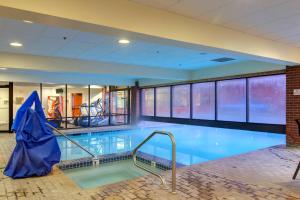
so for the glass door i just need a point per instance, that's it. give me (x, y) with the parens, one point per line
(4, 109)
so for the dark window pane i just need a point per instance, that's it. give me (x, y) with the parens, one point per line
(231, 100)
(99, 105)
(267, 99)
(148, 102)
(181, 101)
(163, 102)
(119, 107)
(77, 106)
(204, 101)
(53, 101)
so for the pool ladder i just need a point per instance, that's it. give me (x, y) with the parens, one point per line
(173, 158)
(95, 159)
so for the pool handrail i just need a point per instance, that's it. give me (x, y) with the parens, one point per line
(95, 159)
(171, 136)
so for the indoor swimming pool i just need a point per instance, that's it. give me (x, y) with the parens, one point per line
(195, 144)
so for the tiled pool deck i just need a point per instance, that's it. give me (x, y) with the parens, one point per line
(264, 174)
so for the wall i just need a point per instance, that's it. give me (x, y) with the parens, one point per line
(23, 92)
(247, 67)
(292, 105)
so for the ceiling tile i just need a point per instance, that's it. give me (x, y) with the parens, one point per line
(271, 19)
(271, 14)
(158, 3)
(237, 9)
(17, 30)
(74, 49)
(59, 33)
(197, 8)
(93, 38)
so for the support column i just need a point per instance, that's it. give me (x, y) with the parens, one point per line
(10, 110)
(135, 104)
(292, 105)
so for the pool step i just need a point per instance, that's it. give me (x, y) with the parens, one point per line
(108, 173)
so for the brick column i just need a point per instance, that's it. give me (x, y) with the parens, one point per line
(292, 105)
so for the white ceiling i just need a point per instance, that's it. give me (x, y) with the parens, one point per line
(278, 20)
(45, 40)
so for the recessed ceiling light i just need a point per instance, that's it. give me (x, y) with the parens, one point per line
(2, 68)
(16, 44)
(27, 21)
(124, 41)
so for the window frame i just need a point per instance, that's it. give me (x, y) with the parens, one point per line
(246, 125)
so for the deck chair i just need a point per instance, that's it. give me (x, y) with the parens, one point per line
(296, 172)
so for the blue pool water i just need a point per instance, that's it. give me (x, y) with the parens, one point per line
(195, 144)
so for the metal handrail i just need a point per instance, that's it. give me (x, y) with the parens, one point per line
(171, 136)
(74, 142)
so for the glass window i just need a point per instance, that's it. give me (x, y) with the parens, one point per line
(163, 102)
(99, 109)
(22, 92)
(231, 100)
(267, 99)
(53, 101)
(204, 101)
(181, 101)
(78, 106)
(119, 107)
(148, 102)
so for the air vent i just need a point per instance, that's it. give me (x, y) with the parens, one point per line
(224, 59)
(59, 91)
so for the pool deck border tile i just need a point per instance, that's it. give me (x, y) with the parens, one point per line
(160, 163)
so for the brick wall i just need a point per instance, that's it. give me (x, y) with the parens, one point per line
(292, 105)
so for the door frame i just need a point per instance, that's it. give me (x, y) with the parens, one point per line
(10, 106)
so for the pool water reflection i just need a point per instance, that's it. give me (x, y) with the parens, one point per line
(195, 144)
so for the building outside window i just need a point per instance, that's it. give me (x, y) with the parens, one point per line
(163, 101)
(204, 101)
(181, 101)
(267, 99)
(147, 102)
(231, 100)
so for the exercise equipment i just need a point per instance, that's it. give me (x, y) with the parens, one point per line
(97, 115)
